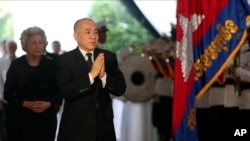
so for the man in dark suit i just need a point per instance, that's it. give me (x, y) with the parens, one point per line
(88, 113)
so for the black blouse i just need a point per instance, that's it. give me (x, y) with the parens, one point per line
(25, 82)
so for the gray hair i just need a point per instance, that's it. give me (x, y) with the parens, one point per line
(27, 33)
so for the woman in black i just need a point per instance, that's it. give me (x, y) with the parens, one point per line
(31, 91)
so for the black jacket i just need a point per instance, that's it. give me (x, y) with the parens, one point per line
(25, 82)
(87, 112)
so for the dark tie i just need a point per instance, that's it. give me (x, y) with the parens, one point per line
(89, 61)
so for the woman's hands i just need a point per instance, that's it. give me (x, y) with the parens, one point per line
(37, 106)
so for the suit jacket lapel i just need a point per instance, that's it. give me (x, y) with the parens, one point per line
(79, 60)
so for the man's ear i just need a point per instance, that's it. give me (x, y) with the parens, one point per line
(75, 36)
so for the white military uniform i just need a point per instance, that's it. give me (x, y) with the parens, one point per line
(210, 112)
(203, 118)
(216, 100)
(244, 100)
(244, 73)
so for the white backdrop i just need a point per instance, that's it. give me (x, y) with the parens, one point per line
(55, 17)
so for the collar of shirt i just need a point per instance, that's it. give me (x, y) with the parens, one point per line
(83, 52)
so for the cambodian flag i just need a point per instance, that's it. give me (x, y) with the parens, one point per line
(209, 33)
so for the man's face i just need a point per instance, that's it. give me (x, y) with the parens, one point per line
(102, 36)
(11, 47)
(87, 35)
(56, 48)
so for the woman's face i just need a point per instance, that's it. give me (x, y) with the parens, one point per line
(35, 45)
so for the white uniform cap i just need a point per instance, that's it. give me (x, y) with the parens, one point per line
(101, 24)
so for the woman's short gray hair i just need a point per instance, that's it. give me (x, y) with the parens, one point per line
(27, 33)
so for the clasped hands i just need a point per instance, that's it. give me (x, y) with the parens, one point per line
(98, 67)
(37, 106)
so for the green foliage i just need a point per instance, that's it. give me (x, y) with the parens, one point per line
(6, 22)
(124, 30)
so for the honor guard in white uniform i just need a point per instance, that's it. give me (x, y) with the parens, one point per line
(244, 100)
(203, 118)
(231, 101)
(216, 102)
(162, 107)
(102, 32)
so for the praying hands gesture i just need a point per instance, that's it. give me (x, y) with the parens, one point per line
(98, 67)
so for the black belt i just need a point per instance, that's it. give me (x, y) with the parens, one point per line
(230, 81)
(244, 85)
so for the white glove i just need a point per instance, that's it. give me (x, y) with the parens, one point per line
(244, 74)
(239, 71)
